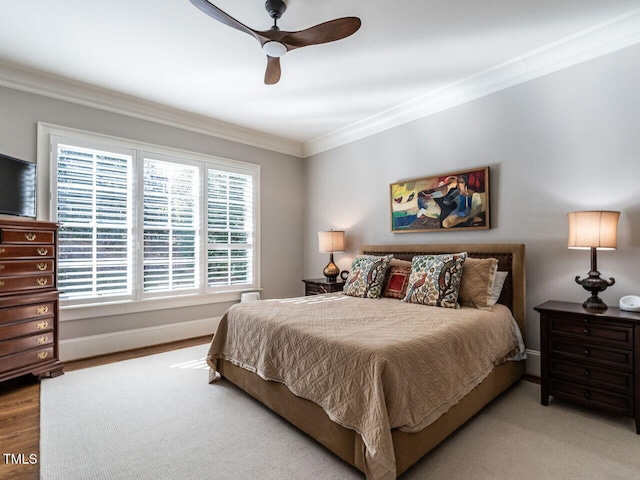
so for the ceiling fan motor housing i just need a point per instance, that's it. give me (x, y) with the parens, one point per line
(275, 8)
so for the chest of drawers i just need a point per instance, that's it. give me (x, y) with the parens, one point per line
(28, 299)
(591, 358)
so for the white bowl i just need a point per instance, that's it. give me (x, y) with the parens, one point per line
(630, 303)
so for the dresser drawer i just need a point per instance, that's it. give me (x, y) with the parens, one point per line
(592, 354)
(26, 282)
(31, 357)
(593, 397)
(25, 267)
(31, 327)
(606, 333)
(24, 312)
(18, 345)
(26, 251)
(26, 236)
(599, 377)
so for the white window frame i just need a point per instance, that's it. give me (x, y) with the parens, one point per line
(47, 210)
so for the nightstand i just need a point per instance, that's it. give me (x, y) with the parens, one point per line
(591, 358)
(316, 286)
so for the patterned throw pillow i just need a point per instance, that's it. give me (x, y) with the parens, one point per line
(397, 279)
(435, 280)
(366, 276)
(477, 281)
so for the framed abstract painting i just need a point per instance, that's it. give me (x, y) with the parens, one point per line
(455, 200)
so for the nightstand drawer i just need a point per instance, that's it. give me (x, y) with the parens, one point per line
(592, 354)
(607, 333)
(316, 289)
(593, 397)
(599, 377)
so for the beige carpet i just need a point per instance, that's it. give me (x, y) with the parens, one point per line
(157, 418)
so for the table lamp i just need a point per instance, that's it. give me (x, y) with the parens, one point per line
(594, 230)
(331, 241)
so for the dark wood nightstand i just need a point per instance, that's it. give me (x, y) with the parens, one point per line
(316, 286)
(591, 358)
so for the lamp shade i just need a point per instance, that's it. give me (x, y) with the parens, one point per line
(593, 229)
(331, 241)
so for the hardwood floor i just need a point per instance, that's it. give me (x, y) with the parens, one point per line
(20, 411)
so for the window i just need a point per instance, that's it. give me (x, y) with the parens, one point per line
(135, 224)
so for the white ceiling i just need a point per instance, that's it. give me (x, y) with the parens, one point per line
(169, 52)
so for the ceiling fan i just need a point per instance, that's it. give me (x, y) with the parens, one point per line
(275, 42)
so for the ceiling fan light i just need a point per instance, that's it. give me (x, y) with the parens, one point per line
(274, 49)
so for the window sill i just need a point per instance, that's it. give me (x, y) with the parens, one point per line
(82, 312)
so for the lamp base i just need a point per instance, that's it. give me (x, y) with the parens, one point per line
(595, 303)
(594, 284)
(331, 271)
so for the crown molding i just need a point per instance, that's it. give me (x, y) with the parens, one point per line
(53, 86)
(604, 38)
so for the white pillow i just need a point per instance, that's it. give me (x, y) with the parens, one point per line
(498, 283)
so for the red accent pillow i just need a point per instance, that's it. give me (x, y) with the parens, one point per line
(396, 282)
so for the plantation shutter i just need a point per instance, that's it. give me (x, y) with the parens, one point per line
(93, 201)
(171, 219)
(230, 228)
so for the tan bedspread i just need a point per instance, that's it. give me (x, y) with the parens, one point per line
(371, 364)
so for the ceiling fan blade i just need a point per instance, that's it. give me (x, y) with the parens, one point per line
(272, 75)
(223, 17)
(323, 33)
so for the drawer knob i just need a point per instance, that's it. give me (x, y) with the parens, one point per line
(30, 236)
(41, 281)
(42, 355)
(587, 394)
(41, 266)
(42, 325)
(2, 250)
(42, 251)
(587, 352)
(586, 331)
(42, 340)
(42, 310)
(587, 373)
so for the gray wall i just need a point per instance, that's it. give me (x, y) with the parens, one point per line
(282, 194)
(565, 142)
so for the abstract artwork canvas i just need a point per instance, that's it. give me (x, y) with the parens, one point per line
(456, 200)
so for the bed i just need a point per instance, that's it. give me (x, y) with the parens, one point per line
(401, 436)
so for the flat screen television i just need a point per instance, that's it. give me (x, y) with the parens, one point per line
(17, 187)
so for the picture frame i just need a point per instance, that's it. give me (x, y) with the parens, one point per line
(450, 201)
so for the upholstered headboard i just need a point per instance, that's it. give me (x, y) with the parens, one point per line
(510, 259)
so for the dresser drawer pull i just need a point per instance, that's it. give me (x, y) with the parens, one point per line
(42, 325)
(1, 283)
(1, 266)
(587, 373)
(42, 251)
(42, 355)
(42, 281)
(2, 250)
(586, 331)
(587, 352)
(42, 310)
(42, 266)
(587, 394)
(30, 236)
(42, 340)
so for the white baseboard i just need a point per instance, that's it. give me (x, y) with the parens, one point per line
(93, 345)
(533, 363)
